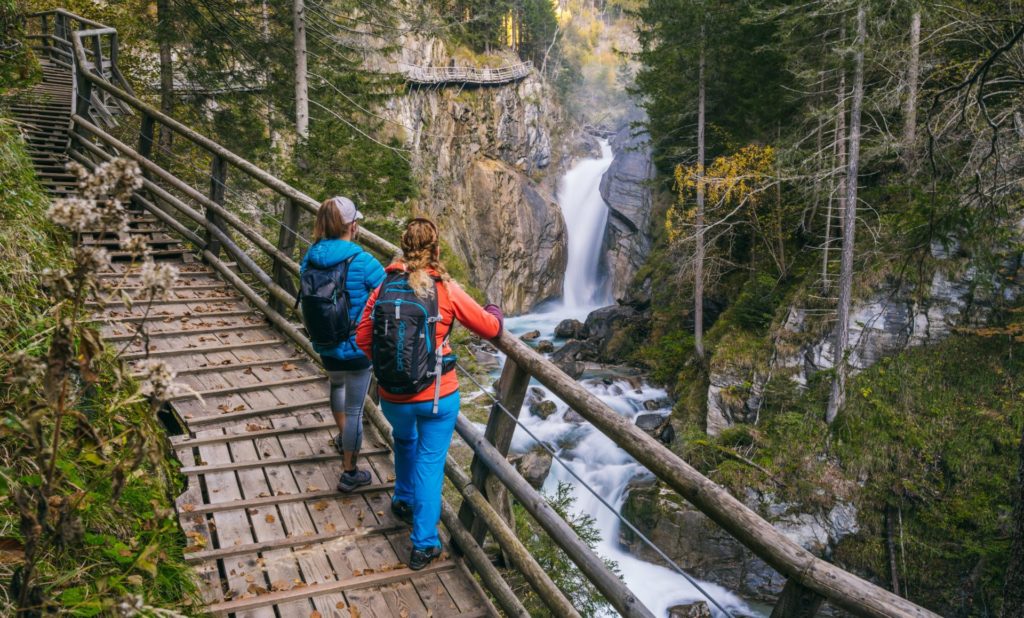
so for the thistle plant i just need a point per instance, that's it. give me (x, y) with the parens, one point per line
(55, 394)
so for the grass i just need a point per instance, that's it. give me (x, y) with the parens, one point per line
(124, 548)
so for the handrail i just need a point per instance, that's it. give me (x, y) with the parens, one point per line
(788, 558)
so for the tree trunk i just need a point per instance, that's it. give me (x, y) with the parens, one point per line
(164, 35)
(1013, 592)
(698, 269)
(840, 170)
(838, 394)
(301, 74)
(910, 109)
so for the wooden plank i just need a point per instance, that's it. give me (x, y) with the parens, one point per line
(244, 388)
(247, 414)
(180, 333)
(234, 366)
(269, 461)
(186, 441)
(286, 498)
(289, 542)
(344, 585)
(199, 350)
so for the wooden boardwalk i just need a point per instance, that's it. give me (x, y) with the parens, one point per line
(268, 533)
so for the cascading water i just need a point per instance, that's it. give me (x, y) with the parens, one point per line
(591, 454)
(586, 214)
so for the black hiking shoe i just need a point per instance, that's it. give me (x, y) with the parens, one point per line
(422, 557)
(349, 481)
(402, 511)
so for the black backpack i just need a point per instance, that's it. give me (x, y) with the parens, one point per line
(406, 358)
(325, 304)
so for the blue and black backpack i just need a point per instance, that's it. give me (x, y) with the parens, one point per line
(325, 304)
(406, 358)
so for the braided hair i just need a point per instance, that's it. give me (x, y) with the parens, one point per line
(421, 251)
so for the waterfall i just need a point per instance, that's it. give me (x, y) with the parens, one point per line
(586, 214)
(592, 455)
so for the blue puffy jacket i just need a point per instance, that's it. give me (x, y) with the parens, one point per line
(364, 275)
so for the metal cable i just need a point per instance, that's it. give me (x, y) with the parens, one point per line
(693, 582)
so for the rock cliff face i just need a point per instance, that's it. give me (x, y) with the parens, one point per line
(704, 550)
(889, 320)
(487, 161)
(625, 189)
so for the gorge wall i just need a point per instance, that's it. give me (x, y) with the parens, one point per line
(488, 159)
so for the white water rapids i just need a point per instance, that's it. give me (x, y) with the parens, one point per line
(592, 455)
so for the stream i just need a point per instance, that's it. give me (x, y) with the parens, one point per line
(592, 455)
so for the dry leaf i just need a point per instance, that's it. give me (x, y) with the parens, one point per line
(257, 590)
(278, 586)
(340, 605)
(239, 408)
(404, 613)
(188, 508)
(315, 614)
(270, 519)
(288, 367)
(330, 527)
(312, 488)
(357, 573)
(320, 506)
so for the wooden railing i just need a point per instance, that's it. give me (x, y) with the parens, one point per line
(465, 75)
(810, 580)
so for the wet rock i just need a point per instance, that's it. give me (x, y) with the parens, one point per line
(655, 404)
(614, 332)
(534, 466)
(572, 416)
(534, 394)
(699, 609)
(486, 359)
(530, 336)
(545, 347)
(570, 358)
(657, 426)
(571, 329)
(543, 409)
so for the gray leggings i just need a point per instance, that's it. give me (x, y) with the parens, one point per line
(348, 391)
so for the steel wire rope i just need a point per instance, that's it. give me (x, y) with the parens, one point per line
(693, 582)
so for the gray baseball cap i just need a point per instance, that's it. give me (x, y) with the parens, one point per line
(347, 209)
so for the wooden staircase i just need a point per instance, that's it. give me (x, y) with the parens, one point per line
(43, 115)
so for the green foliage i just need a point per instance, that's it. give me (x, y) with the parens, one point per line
(935, 431)
(17, 63)
(587, 600)
(86, 512)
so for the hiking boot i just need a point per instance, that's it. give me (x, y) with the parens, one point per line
(402, 511)
(422, 557)
(351, 480)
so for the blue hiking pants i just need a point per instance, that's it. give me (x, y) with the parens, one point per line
(422, 439)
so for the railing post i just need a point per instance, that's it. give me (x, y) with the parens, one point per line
(796, 601)
(286, 244)
(511, 393)
(218, 178)
(146, 136)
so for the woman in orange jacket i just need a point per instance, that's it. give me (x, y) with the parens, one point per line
(405, 325)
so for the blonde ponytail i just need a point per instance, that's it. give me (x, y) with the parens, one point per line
(420, 254)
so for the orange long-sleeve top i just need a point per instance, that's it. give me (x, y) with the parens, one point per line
(453, 304)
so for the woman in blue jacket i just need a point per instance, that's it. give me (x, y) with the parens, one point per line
(347, 367)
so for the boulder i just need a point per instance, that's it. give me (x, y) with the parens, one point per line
(545, 347)
(572, 416)
(571, 329)
(535, 466)
(543, 409)
(657, 426)
(698, 609)
(534, 394)
(570, 358)
(613, 333)
(530, 336)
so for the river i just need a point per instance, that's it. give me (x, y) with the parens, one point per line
(593, 456)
